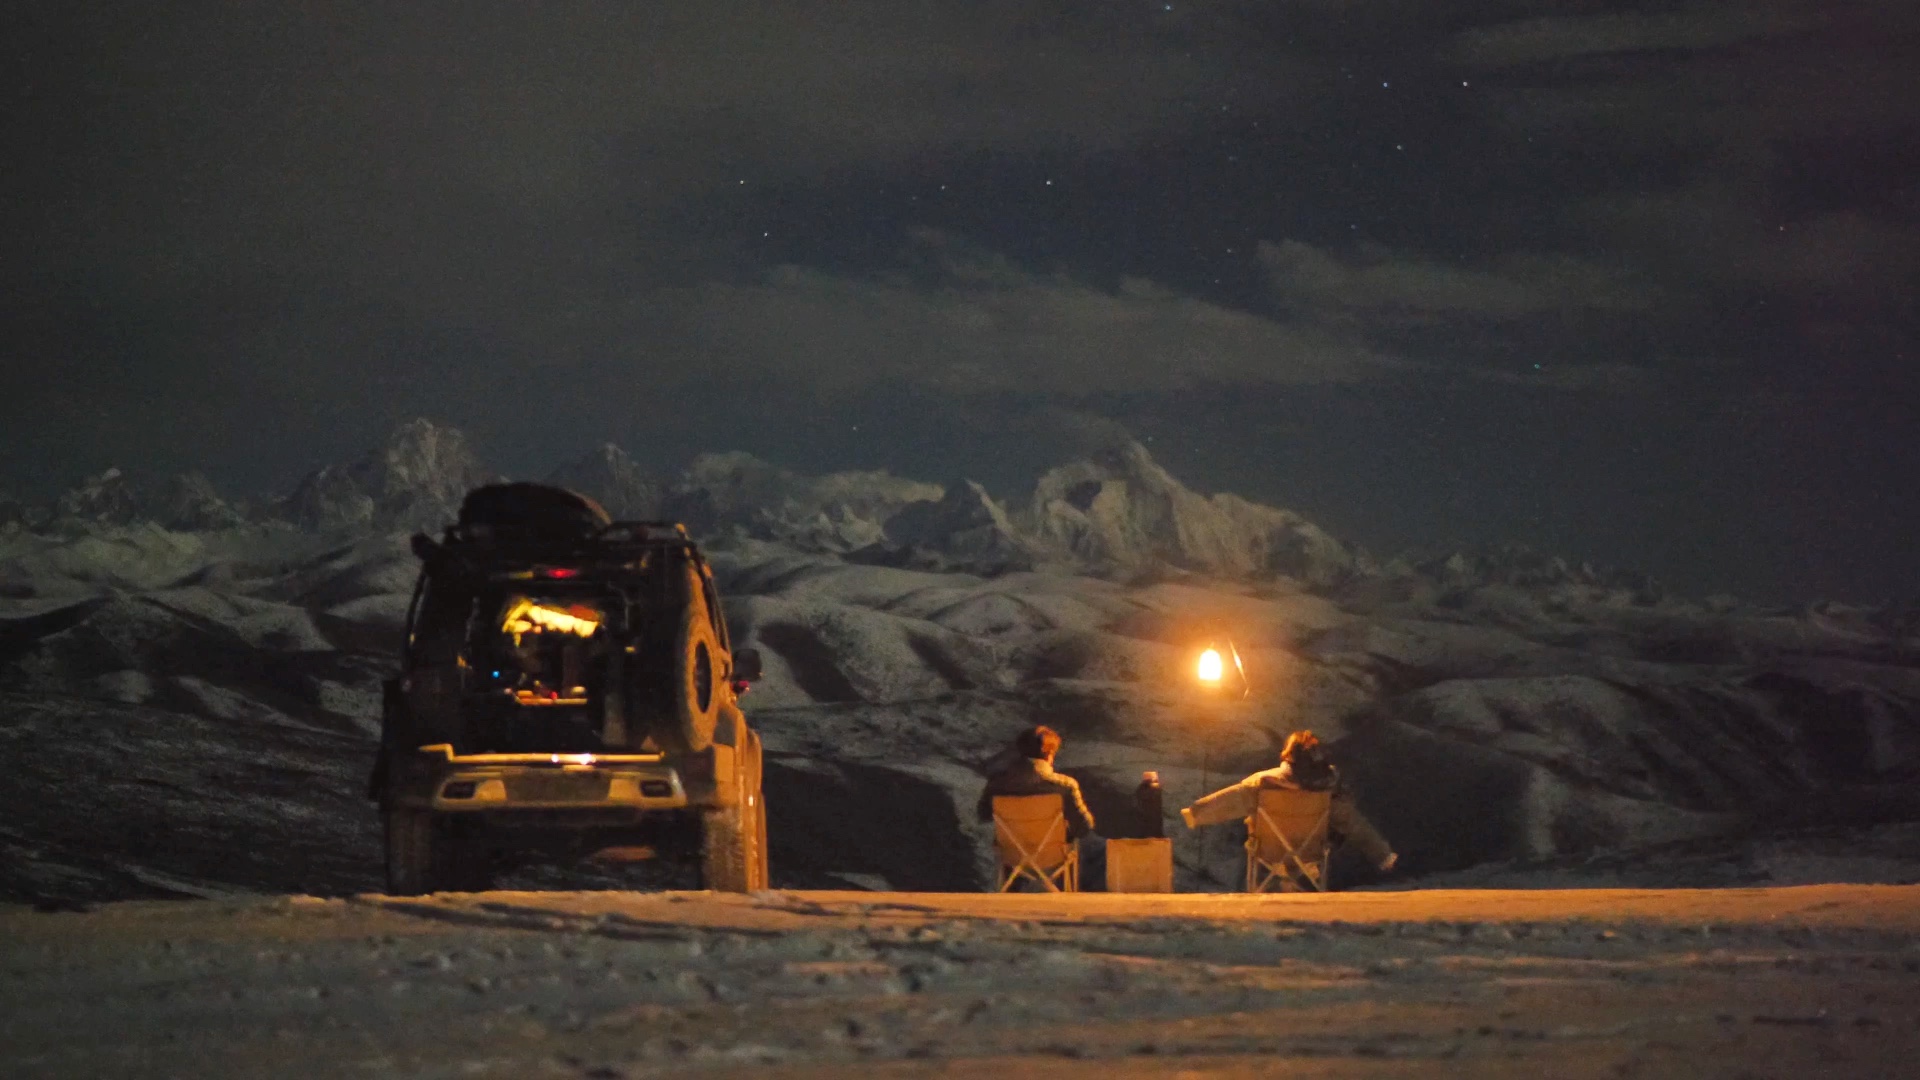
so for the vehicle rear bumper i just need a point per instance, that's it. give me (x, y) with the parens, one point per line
(447, 782)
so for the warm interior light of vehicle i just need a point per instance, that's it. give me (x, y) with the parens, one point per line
(525, 615)
(1210, 666)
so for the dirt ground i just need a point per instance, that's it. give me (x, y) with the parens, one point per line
(1787, 982)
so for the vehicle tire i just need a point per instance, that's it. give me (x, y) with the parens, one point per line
(414, 856)
(724, 854)
(696, 690)
(760, 873)
(728, 836)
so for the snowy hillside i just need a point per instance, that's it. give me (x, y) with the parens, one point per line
(191, 692)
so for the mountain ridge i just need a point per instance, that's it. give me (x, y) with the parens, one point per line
(1114, 512)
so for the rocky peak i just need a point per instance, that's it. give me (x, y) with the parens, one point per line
(105, 498)
(415, 480)
(429, 459)
(189, 502)
(1521, 566)
(717, 490)
(610, 476)
(1119, 508)
(964, 506)
(966, 529)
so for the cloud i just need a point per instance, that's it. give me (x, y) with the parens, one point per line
(1746, 160)
(470, 161)
(975, 326)
(1612, 379)
(1379, 284)
(297, 196)
(1729, 86)
(1557, 38)
(979, 325)
(1713, 239)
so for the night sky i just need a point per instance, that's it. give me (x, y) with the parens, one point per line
(1632, 282)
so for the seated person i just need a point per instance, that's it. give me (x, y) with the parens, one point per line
(1303, 767)
(1033, 774)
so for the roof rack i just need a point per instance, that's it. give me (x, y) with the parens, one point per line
(648, 531)
(615, 537)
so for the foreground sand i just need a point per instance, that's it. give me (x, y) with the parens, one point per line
(1792, 982)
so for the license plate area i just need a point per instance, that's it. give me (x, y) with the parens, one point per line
(557, 787)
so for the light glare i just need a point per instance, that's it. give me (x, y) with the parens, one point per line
(1210, 666)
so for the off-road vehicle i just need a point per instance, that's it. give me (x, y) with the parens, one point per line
(567, 686)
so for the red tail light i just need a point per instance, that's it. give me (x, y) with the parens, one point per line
(559, 572)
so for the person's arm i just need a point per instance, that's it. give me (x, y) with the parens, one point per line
(1227, 804)
(1079, 818)
(984, 811)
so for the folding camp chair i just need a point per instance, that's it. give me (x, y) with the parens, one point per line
(1287, 841)
(1030, 833)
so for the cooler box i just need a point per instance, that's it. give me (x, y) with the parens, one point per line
(1140, 865)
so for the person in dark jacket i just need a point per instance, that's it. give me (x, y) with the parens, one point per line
(1303, 767)
(1032, 774)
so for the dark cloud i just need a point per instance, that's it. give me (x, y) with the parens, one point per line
(975, 324)
(1742, 159)
(1377, 283)
(499, 165)
(309, 136)
(1708, 26)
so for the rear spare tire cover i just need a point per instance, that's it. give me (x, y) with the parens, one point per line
(694, 708)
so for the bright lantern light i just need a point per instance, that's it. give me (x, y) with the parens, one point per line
(1210, 666)
(525, 615)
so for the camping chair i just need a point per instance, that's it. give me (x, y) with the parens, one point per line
(1030, 834)
(1287, 841)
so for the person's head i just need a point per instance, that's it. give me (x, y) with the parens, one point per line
(1039, 741)
(1298, 744)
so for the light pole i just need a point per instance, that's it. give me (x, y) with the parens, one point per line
(1211, 671)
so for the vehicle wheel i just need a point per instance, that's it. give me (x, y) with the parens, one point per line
(413, 855)
(756, 792)
(728, 835)
(695, 695)
(724, 848)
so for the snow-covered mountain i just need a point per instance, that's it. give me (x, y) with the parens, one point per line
(191, 708)
(965, 529)
(186, 502)
(415, 481)
(628, 490)
(1120, 508)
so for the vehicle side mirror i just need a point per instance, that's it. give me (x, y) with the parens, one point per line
(746, 665)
